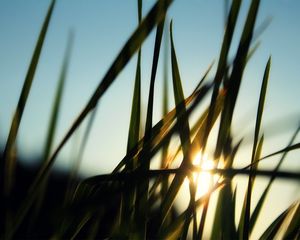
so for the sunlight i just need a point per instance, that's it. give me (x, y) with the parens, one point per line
(203, 180)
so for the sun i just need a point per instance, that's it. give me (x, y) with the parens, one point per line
(204, 179)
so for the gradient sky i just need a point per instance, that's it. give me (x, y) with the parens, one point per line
(101, 28)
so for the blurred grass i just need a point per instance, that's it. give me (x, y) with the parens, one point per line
(136, 201)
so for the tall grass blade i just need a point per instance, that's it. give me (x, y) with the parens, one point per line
(273, 229)
(287, 149)
(222, 64)
(236, 77)
(255, 149)
(142, 190)
(224, 220)
(293, 226)
(167, 202)
(7, 164)
(163, 130)
(5, 169)
(53, 122)
(133, 138)
(164, 157)
(260, 203)
(155, 15)
(184, 132)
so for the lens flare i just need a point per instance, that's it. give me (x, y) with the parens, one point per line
(204, 179)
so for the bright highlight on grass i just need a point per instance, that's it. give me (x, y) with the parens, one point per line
(204, 179)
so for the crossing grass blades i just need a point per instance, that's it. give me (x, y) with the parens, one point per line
(134, 201)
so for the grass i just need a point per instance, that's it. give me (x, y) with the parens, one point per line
(135, 201)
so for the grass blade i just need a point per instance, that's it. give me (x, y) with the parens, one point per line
(142, 190)
(222, 64)
(7, 164)
(184, 133)
(255, 150)
(236, 77)
(292, 231)
(260, 203)
(272, 230)
(224, 220)
(133, 138)
(6, 174)
(53, 122)
(155, 15)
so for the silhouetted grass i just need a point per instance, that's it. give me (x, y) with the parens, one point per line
(135, 201)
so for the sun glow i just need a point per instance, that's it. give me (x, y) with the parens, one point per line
(204, 179)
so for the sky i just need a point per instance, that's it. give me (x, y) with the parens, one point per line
(101, 28)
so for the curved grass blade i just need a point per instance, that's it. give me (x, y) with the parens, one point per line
(184, 132)
(194, 147)
(292, 231)
(260, 203)
(287, 149)
(53, 123)
(236, 77)
(143, 186)
(133, 138)
(173, 230)
(272, 230)
(155, 15)
(163, 130)
(255, 151)
(5, 169)
(76, 165)
(7, 165)
(220, 74)
(222, 64)
(244, 224)
(224, 220)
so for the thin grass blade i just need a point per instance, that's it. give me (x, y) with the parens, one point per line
(260, 203)
(155, 15)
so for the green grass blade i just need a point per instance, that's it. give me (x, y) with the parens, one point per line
(7, 165)
(143, 186)
(53, 122)
(272, 230)
(236, 77)
(173, 230)
(57, 100)
(244, 223)
(178, 180)
(224, 223)
(255, 149)
(155, 15)
(287, 149)
(260, 107)
(164, 157)
(222, 64)
(179, 98)
(133, 138)
(79, 156)
(140, 7)
(133, 133)
(260, 203)
(292, 231)
(184, 133)
(5, 169)
(163, 130)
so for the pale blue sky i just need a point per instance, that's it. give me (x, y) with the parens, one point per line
(101, 28)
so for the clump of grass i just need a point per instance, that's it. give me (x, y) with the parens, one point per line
(135, 201)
